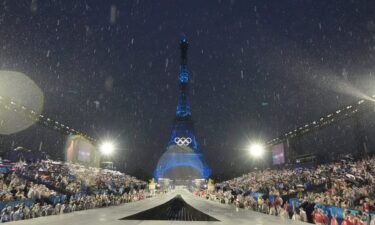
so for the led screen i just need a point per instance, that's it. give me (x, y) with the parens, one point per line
(79, 150)
(84, 151)
(278, 157)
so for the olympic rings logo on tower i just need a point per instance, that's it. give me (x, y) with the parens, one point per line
(182, 141)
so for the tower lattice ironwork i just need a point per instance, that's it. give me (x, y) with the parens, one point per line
(183, 158)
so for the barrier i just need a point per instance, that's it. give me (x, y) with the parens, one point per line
(28, 202)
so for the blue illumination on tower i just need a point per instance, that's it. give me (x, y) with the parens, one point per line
(182, 148)
(183, 106)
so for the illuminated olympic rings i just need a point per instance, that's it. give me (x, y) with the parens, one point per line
(182, 141)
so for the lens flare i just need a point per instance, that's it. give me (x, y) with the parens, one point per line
(21, 102)
(256, 150)
(107, 148)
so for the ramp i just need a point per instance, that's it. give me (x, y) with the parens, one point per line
(174, 209)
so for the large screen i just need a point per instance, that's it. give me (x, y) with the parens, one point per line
(84, 151)
(278, 157)
(80, 150)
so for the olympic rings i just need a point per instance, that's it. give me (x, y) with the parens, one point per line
(182, 141)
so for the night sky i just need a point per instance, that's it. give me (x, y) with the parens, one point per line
(257, 68)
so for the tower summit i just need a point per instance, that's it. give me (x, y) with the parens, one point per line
(182, 159)
(183, 107)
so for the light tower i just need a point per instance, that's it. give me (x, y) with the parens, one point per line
(182, 159)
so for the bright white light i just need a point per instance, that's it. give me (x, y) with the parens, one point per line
(107, 148)
(18, 90)
(256, 150)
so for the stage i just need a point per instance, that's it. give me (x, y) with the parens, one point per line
(225, 214)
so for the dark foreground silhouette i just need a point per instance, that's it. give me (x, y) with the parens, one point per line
(174, 209)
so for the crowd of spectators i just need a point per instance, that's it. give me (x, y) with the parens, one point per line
(346, 184)
(74, 178)
(13, 187)
(56, 187)
(22, 211)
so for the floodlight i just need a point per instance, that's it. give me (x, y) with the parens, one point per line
(107, 148)
(256, 150)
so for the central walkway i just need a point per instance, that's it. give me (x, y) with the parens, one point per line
(182, 199)
(174, 209)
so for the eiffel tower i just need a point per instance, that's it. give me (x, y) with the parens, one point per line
(182, 159)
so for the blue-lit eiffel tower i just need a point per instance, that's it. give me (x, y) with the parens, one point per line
(182, 159)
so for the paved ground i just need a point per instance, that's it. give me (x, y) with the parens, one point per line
(226, 214)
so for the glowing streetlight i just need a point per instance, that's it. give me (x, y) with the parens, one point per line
(107, 148)
(256, 150)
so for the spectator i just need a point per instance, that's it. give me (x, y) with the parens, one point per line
(47, 182)
(345, 184)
